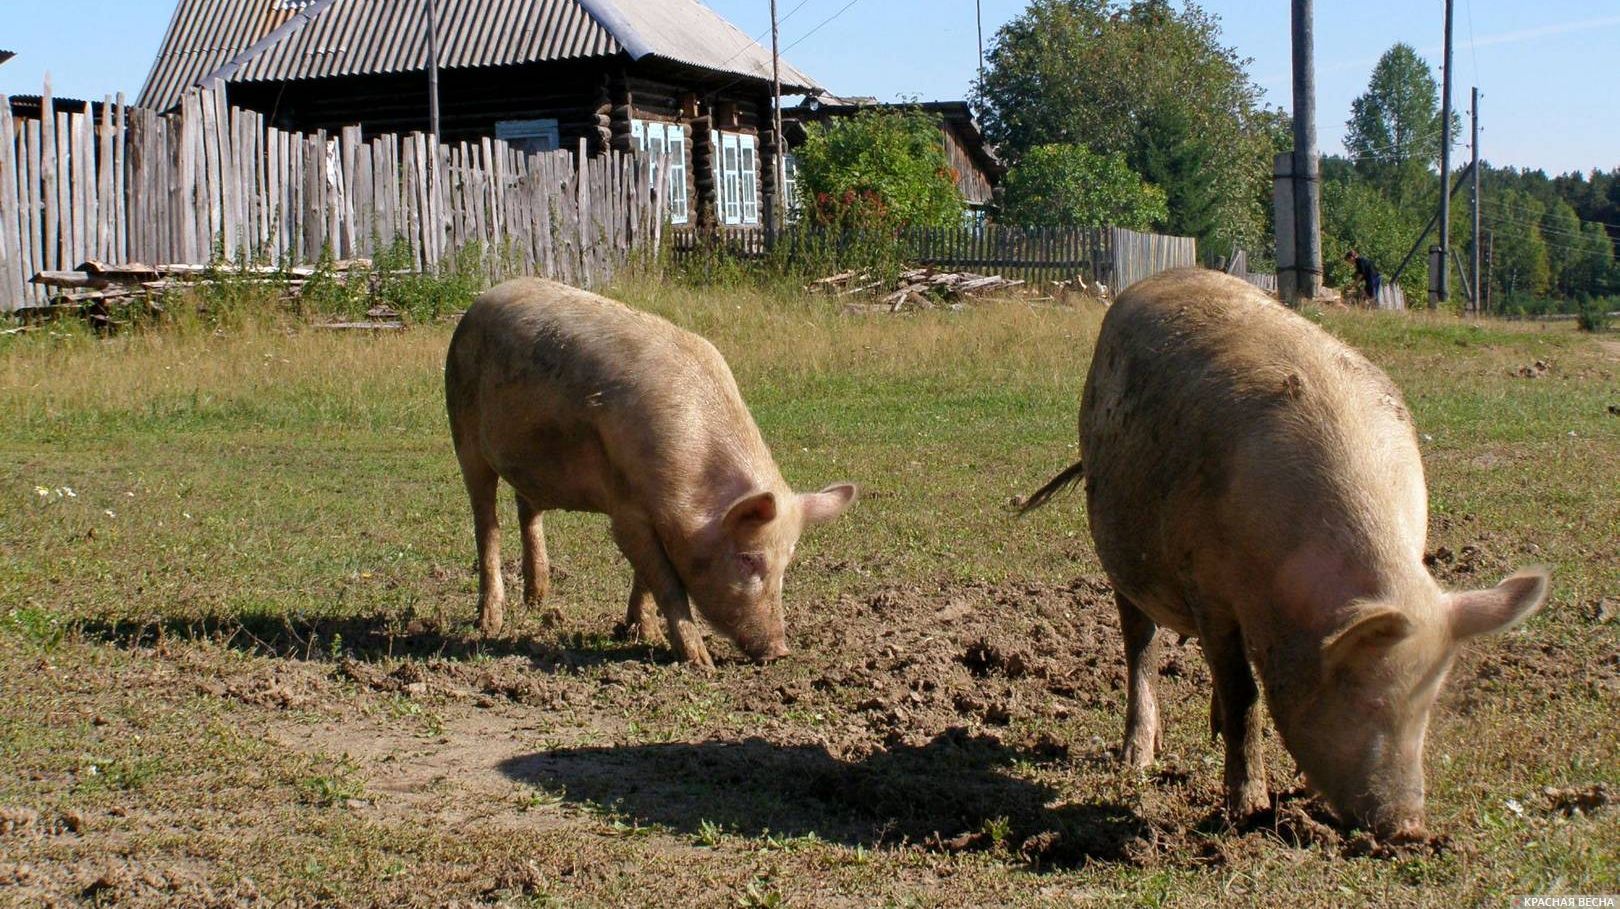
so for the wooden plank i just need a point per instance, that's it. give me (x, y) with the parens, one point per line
(120, 212)
(49, 176)
(12, 243)
(348, 145)
(29, 195)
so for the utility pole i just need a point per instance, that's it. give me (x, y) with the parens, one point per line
(978, 11)
(779, 146)
(1307, 277)
(1478, 297)
(433, 71)
(1443, 285)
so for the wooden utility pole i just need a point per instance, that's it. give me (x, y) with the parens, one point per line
(433, 71)
(1442, 285)
(978, 12)
(779, 144)
(1307, 265)
(1473, 245)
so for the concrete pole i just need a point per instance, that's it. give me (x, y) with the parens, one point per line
(1474, 244)
(433, 71)
(1443, 285)
(1307, 216)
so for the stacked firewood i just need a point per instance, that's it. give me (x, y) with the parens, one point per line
(95, 289)
(917, 288)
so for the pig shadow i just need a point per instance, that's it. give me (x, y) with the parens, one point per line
(954, 793)
(370, 638)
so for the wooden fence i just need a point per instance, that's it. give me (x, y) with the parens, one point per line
(1115, 256)
(1137, 256)
(211, 181)
(1238, 267)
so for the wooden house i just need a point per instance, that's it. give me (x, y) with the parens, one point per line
(669, 75)
(977, 169)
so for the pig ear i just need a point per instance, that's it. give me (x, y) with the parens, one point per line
(1374, 626)
(751, 510)
(821, 507)
(1478, 612)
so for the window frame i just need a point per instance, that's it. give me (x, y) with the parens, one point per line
(542, 134)
(736, 185)
(666, 139)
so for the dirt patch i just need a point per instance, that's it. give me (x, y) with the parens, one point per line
(1536, 370)
(1572, 800)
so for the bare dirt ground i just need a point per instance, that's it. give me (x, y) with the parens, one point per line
(922, 721)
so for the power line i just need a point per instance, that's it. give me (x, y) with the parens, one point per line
(1497, 222)
(756, 39)
(1472, 48)
(842, 10)
(1509, 211)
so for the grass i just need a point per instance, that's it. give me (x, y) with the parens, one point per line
(254, 611)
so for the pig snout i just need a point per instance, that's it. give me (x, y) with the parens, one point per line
(765, 650)
(775, 650)
(1406, 830)
(1398, 823)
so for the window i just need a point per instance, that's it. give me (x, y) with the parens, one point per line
(750, 180)
(676, 143)
(737, 178)
(790, 186)
(529, 136)
(666, 139)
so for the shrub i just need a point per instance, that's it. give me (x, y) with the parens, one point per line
(1594, 313)
(881, 168)
(1070, 185)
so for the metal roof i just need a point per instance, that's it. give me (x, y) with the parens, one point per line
(323, 38)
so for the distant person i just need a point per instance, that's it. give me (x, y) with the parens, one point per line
(1367, 273)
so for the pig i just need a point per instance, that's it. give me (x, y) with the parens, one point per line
(584, 404)
(1255, 483)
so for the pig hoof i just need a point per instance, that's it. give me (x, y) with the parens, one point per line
(699, 658)
(1137, 757)
(489, 624)
(1247, 804)
(634, 633)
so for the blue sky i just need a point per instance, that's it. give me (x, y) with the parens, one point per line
(1546, 68)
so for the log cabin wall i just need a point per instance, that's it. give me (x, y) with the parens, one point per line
(471, 101)
(971, 179)
(595, 100)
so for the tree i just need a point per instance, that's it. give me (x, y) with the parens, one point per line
(1169, 155)
(1064, 185)
(1114, 76)
(1566, 255)
(1519, 266)
(1394, 128)
(1357, 215)
(880, 168)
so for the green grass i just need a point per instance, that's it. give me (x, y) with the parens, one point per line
(267, 527)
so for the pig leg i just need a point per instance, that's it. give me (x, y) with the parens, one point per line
(1142, 668)
(638, 624)
(640, 545)
(482, 486)
(536, 569)
(1238, 702)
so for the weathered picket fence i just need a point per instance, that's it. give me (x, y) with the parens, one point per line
(1112, 255)
(124, 184)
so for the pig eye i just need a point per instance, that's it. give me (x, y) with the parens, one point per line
(752, 563)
